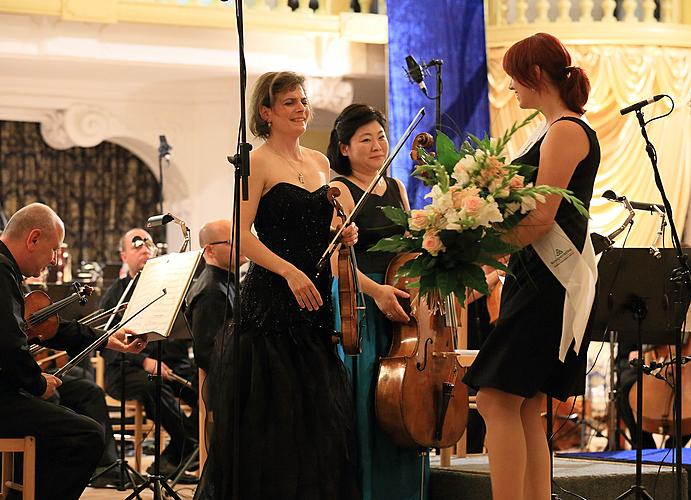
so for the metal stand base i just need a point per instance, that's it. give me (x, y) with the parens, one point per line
(127, 475)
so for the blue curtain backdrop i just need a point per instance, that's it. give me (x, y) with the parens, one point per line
(450, 30)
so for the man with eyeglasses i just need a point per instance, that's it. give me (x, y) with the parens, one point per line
(210, 300)
(136, 248)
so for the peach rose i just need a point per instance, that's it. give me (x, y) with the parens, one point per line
(418, 220)
(517, 182)
(432, 243)
(472, 205)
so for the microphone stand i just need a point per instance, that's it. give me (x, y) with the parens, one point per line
(437, 63)
(681, 279)
(241, 162)
(163, 154)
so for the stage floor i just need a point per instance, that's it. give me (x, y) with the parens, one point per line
(468, 479)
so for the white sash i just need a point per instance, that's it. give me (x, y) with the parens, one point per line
(578, 274)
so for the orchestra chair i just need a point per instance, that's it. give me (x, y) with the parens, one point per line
(134, 413)
(8, 447)
(202, 421)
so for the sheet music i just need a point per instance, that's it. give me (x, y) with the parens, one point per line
(172, 273)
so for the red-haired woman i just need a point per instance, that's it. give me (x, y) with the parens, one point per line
(540, 342)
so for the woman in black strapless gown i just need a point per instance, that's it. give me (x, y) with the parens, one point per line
(296, 411)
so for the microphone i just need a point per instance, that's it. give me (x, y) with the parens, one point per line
(164, 148)
(160, 220)
(163, 219)
(612, 196)
(641, 104)
(415, 73)
(636, 205)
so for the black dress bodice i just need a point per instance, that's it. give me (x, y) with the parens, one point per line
(373, 225)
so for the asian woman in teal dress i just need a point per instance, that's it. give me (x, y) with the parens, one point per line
(357, 149)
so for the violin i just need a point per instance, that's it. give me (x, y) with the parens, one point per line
(419, 399)
(41, 314)
(350, 296)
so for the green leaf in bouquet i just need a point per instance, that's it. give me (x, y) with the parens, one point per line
(474, 277)
(427, 173)
(466, 149)
(425, 156)
(445, 283)
(504, 140)
(492, 244)
(460, 246)
(396, 215)
(446, 151)
(526, 171)
(419, 265)
(394, 244)
(564, 193)
(491, 261)
(428, 283)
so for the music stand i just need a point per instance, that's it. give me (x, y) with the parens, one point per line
(127, 473)
(638, 300)
(173, 273)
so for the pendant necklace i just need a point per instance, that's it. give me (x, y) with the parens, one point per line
(301, 176)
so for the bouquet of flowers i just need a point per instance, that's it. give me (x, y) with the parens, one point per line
(476, 197)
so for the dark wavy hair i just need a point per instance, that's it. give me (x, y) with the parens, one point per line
(265, 90)
(549, 54)
(351, 118)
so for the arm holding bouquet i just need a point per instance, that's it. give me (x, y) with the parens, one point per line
(481, 208)
(563, 148)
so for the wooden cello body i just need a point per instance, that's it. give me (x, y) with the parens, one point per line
(420, 400)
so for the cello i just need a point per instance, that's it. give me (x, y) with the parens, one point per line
(420, 401)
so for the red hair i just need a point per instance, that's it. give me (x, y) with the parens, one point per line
(546, 52)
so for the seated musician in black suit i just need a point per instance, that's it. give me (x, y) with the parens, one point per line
(69, 446)
(136, 248)
(210, 300)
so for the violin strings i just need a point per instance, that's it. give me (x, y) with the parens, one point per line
(43, 314)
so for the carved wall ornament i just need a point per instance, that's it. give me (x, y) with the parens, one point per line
(332, 94)
(79, 125)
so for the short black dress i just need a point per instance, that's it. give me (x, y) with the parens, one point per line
(521, 355)
(297, 436)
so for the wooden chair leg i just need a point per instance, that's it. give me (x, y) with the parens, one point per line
(7, 472)
(29, 473)
(202, 422)
(138, 436)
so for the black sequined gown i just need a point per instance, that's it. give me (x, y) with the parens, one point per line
(296, 411)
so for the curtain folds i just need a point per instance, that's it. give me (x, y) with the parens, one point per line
(99, 192)
(620, 75)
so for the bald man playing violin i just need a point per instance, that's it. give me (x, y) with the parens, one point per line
(69, 445)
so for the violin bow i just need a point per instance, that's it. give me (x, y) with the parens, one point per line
(358, 206)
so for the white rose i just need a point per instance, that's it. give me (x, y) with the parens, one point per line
(488, 214)
(452, 221)
(463, 168)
